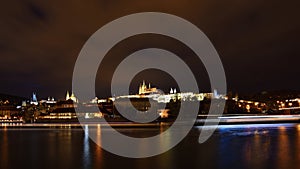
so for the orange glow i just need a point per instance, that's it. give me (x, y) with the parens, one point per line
(281, 128)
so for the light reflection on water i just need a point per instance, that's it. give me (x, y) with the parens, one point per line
(259, 146)
(86, 148)
(273, 146)
(4, 149)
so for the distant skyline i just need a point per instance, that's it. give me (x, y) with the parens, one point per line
(40, 40)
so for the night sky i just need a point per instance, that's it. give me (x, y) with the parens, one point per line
(258, 42)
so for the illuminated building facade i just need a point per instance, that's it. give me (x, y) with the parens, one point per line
(143, 89)
(146, 91)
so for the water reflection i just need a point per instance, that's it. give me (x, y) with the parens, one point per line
(256, 150)
(86, 148)
(283, 148)
(4, 148)
(98, 149)
(167, 161)
(259, 146)
(59, 145)
(244, 146)
(92, 153)
(98, 137)
(297, 144)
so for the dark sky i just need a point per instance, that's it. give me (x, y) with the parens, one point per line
(258, 42)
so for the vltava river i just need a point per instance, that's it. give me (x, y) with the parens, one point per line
(275, 146)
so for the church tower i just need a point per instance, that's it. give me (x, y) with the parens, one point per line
(71, 97)
(68, 95)
(34, 99)
(140, 89)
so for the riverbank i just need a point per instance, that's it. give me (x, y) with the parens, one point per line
(209, 120)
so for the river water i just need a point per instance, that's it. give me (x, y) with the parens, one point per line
(254, 146)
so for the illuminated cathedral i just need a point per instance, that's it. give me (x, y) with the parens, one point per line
(71, 97)
(143, 89)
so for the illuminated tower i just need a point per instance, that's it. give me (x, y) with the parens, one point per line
(68, 95)
(143, 88)
(34, 99)
(215, 94)
(71, 97)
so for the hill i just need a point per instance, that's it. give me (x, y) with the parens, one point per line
(12, 99)
(272, 95)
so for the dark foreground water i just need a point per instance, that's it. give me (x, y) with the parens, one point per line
(275, 146)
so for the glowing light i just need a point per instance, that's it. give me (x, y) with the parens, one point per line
(282, 128)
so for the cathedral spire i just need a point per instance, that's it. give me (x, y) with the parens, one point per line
(68, 95)
(34, 99)
(140, 89)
